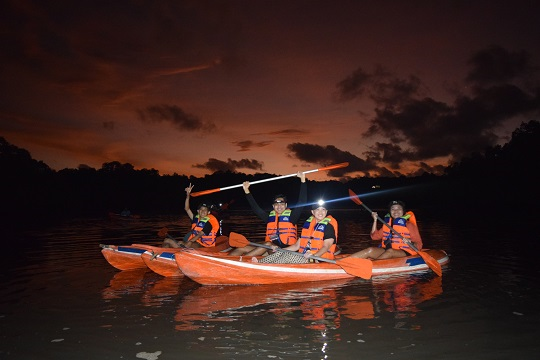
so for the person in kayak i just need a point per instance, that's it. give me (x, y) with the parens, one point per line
(392, 245)
(281, 229)
(318, 238)
(204, 227)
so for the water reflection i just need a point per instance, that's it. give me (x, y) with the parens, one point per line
(313, 303)
(318, 306)
(59, 286)
(164, 290)
(123, 283)
(401, 296)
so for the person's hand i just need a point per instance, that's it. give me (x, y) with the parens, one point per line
(245, 185)
(302, 176)
(274, 248)
(189, 188)
(374, 215)
(308, 254)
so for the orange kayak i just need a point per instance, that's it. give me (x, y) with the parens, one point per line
(162, 260)
(129, 257)
(126, 257)
(237, 270)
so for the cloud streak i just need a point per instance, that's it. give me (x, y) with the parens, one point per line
(230, 165)
(175, 115)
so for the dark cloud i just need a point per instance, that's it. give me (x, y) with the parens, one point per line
(392, 154)
(421, 128)
(230, 165)
(248, 144)
(288, 132)
(329, 155)
(383, 87)
(174, 115)
(496, 65)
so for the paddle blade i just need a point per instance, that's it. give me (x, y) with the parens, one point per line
(237, 240)
(362, 268)
(354, 197)
(205, 192)
(431, 262)
(332, 167)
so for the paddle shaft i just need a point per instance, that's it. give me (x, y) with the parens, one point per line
(331, 167)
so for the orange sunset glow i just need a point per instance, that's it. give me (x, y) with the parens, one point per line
(193, 87)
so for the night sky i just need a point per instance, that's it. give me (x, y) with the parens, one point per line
(192, 87)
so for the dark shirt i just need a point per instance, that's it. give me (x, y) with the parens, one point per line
(330, 232)
(295, 213)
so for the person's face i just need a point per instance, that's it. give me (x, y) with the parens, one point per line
(396, 211)
(203, 211)
(319, 213)
(279, 205)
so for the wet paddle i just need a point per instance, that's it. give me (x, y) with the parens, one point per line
(428, 259)
(326, 168)
(353, 266)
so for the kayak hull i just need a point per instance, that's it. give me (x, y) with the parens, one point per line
(129, 257)
(162, 260)
(125, 257)
(237, 270)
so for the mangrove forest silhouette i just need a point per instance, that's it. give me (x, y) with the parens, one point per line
(31, 192)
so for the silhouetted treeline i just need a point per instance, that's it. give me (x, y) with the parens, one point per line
(503, 176)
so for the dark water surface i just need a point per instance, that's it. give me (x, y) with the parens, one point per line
(61, 299)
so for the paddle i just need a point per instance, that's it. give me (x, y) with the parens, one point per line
(353, 266)
(428, 259)
(331, 167)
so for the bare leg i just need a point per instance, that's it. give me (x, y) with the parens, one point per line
(369, 253)
(195, 245)
(170, 243)
(392, 253)
(257, 251)
(242, 250)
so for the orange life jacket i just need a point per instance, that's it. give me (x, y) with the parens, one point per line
(282, 226)
(312, 236)
(399, 224)
(198, 224)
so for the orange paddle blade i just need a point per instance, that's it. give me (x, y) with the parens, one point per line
(362, 268)
(431, 262)
(205, 192)
(354, 197)
(332, 167)
(237, 240)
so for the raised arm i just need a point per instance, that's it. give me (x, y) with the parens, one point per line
(261, 214)
(186, 205)
(375, 234)
(301, 205)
